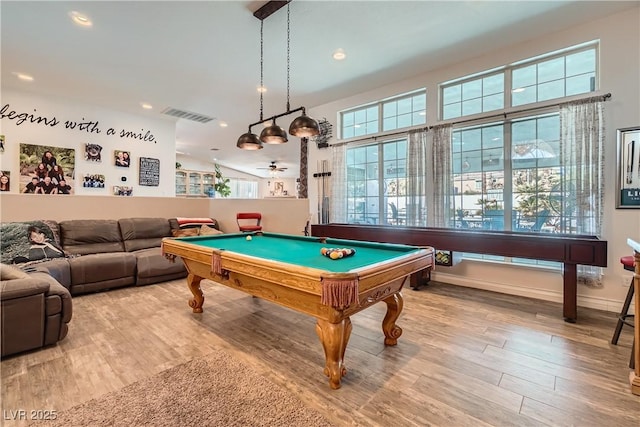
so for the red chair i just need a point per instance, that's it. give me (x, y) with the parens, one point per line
(249, 221)
(625, 318)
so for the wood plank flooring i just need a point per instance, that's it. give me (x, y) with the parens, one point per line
(466, 358)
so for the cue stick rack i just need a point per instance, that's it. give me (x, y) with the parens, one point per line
(324, 191)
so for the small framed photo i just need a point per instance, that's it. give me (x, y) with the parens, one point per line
(94, 180)
(121, 190)
(122, 158)
(5, 181)
(93, 152)
(628, 194)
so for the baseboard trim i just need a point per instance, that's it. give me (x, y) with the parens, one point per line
(543, 294)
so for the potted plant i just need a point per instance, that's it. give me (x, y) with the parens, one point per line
(221, 184)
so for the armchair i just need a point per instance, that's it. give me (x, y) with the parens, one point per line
(36, 310)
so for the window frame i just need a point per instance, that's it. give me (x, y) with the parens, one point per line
(379, 105)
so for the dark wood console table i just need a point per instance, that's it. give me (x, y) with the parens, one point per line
(569, 249)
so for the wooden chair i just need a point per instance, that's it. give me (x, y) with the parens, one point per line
(249, 221)
(625, 318)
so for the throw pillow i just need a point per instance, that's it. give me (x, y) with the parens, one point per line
(29, 241)
(195, 222)
(185, 232)
(205, 230)
(9, 272)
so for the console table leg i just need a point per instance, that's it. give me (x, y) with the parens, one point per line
(570, 293)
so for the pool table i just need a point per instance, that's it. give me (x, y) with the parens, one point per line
(291, 271)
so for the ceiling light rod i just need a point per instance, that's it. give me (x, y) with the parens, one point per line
(277, 116)
(269, 8)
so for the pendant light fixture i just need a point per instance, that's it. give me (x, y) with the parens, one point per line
(303, 126)
(250, 141)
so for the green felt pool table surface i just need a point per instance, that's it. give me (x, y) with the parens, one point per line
(302, 250)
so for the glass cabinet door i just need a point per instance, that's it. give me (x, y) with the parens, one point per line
(195, 184)
(208, 181)
(181, 183)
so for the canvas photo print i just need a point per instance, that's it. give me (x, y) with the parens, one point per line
(120, 190)
(93, 181)
(122, 158)
(93, 152)
(5, 181)
(46, 169)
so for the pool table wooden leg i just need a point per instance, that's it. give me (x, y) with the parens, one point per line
(394, 307)
(196, 302)
(334, 338)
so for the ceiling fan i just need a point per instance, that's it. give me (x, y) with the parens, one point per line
(274, 168)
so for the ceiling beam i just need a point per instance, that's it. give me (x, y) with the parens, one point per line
(269, 8)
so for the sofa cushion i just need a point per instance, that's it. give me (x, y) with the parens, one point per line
(16, 247)
(82, 236)
(143, 233)
(105, 267)
(205, 230)
(151, 263)
(186, 232)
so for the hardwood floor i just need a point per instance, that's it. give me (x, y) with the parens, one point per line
(466, 357)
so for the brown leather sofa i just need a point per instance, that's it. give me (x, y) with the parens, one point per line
(36, 310)
(109, 254)
(117, 253)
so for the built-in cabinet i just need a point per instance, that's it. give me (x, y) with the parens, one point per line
(194, 183)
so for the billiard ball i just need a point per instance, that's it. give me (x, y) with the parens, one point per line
(248, 237)
(334, 255)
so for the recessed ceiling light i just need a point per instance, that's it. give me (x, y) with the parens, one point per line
(262, 89)
(80, 19)
(223, 124)
(339, 54)
(518, 90)
(422, 113)
(146, 106)
(22, 76)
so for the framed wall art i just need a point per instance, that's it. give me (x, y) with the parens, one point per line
(628, 191)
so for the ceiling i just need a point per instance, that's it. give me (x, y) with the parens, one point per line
(204, 56)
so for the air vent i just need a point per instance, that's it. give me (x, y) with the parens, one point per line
(182, 114)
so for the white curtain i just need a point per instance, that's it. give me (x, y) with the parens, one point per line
(339, 183)
(416, 178)
(438, 203)
(582, 148)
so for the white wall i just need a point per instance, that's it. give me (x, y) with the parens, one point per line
(619, 70)
(162, 147)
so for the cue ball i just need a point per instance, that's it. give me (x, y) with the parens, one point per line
(248, 237)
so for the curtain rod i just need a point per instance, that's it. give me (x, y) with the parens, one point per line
(504, 114)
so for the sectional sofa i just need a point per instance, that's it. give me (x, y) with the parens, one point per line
(98, 255)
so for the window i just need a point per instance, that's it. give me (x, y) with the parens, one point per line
(243, 189)
(525, 192)
(400, 112)
(559, 74)
(473, 96)
(404, 112)
(553, 78)
(377, 183)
